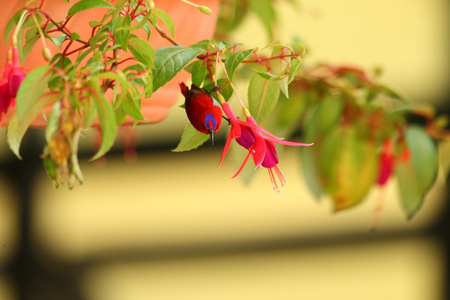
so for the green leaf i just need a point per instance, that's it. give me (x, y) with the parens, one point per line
(198, 72)
(348, 166)
(131, 108)
(325, 116)
(280, 67)
(171, 60)
(11, 25)
(107, 121)
(31, 89)
(142, 51)
(323, 119)
(262, 97)
(31, 38)
(226, 91)
(234, 60)
(296, 65)
(57, 40)
(123, 35)
(165, 18)
(17, 128)
(88, 4)
(53, 121)
(74, 36)
(309, 168)
(416, 176)
(191, 139)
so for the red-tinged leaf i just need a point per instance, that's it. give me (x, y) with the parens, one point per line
(416, 176)
(262, 97)
(348, 167)
(88, 4)
(191, 139)
(171, 60)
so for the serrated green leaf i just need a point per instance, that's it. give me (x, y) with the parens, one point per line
(88, 4)
(142, 51)
(191, 139)
(31, 38)
(165, 18)
(171, 60)
(263, 95)
(416, 176)
(234, 60)
(31, 89)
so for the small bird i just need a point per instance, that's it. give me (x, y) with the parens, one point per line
(204, 113)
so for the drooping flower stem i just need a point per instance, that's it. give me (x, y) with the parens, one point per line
(231, 84)
(18, 27)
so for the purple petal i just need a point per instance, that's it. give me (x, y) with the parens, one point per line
(246, 139)
(271, 158)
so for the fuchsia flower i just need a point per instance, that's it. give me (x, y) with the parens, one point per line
(259, 142)
(386, 163)
(13, 76)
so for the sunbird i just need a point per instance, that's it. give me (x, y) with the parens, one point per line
(202, 110)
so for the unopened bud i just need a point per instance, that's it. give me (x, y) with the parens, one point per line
(246, 112)
(221, 98)
(151, 4)
(47, 54)
(14, 40)
(205, 9)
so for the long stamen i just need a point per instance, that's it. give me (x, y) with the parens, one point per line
(274, 183)
(280, 176)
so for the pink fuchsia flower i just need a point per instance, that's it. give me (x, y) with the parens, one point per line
(386, 163)
(13, 76)
(5, 98)
(260, 143)
(17, 75)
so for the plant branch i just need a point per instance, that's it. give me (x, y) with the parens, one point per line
(165, 35)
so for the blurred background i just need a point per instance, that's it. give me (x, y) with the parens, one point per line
(172, 226)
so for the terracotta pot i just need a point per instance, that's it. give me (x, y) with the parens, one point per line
(190, 26)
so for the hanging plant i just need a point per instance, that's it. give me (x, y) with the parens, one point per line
(127, 69)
